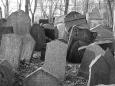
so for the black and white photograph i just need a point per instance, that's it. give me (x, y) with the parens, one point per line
(57, 42)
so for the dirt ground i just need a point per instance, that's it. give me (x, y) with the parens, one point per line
(71, 78)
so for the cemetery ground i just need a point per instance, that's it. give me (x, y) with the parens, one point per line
(71, 78)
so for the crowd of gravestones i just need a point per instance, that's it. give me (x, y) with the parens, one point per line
(70, 41)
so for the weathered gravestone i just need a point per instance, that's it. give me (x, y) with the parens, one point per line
(41, 78)
(10, 47)
(111, 62)
(20, 21)
(95, 17)
(6, 74)
(102, 71)
(62, 32)
(103, 33)
(27, 47)
(55, 60)
(92, 51)
(2, 21)
(75, 18)
(5, 30)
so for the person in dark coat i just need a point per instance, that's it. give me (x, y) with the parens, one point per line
(37, 32)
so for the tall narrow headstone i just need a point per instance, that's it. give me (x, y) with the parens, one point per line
(10, 46)
(55, 60)
(27, 48)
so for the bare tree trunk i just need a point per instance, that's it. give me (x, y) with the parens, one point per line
(43, 10)
(85, 6)
(27, 2)
(20, 4)
(35, 6)
(114, 24)
(75, 5)
(110, 13)
(0, 12)
(7, 9)
(114, 20)
(50, 10)
(66, 6)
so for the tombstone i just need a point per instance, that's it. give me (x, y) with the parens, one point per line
(41, 78)
(43, 21)
(27, 48)
(92, 51)
(95, 17)
(99, 72)
(20, 21)
(102, 71)
(75, 18)
(63, 34)
(55, 59)
(6, 74)
(5, 30)
(10, 46)
(111, 62)
(59, 23)
(49, 31)
(59, 19)
(2, 21)
(103, 33)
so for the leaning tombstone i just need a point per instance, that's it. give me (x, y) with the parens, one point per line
(109, 58)
(103, 33)
(55, 59)
(27, 48)
(99, 72)
(102, 70)
(20, 21)
(92, 51)
(41, 78)
(10, 46)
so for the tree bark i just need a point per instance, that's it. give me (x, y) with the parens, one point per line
(75, 5)
(66, 7)
(19, 4)
(7, 9)
(85, 6)
(35, 6)
(114, 25)
(0, 12)
(110, 12)
(114, 20)
(27, 2)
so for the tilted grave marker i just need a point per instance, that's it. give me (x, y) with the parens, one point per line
(27, 48)
(55, 60)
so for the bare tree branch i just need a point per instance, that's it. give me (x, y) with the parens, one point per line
(66, 6)
(43, 11)
(31, 3)
(55, 7)
(35, 6)
(3, 3)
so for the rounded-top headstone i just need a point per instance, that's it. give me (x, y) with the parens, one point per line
(20, 21)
